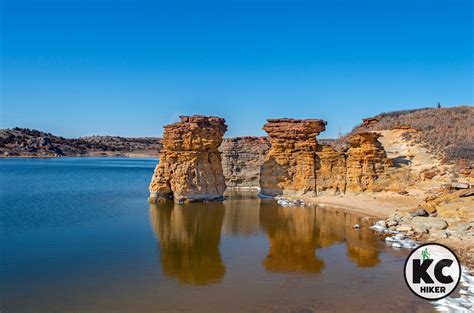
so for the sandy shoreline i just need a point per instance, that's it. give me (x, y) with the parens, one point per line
(378, 205)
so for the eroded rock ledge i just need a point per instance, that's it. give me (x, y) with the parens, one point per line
(190, 166)
(290, 162)
(290, 165)
(296, 165)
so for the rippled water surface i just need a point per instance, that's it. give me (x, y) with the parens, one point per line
(78, 235)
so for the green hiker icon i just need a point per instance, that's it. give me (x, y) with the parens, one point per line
(425, 255)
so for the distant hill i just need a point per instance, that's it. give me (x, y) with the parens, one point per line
(24, 142)
(449, 131)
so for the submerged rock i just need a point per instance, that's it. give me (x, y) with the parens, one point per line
(190, 166)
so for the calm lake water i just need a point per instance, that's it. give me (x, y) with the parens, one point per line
(78, 235)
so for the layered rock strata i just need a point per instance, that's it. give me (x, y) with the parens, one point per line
(190, 166)
(330, 170)
(290, 165)
(296, 165)
(366, 162)
(242, 158)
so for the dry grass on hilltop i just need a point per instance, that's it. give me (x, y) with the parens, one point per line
(449, 131)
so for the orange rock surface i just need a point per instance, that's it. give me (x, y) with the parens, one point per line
(289, 167)
(366, 162)
(330, 170)
(190, 166)
(296, 165)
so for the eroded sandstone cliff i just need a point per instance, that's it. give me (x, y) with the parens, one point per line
(242, 158)
(366, 162)
(190, 166)
(290, 165)
(330, 170)
(296, 165)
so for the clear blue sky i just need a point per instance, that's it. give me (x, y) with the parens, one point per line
(86, 67)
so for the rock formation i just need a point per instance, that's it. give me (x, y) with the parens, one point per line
(296, 165)
(368, 122)
(330, 170)
(366, 161)
(242, 158)
(190, 166)
(289, 167)
(290, 162)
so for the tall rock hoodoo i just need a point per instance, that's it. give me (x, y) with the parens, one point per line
(190, 166)
(290, 165)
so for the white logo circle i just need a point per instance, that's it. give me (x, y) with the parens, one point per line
(432, 271)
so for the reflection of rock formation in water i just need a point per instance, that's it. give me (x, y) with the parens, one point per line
(242, 217)
(292, 236)
(190, 166)
(189, 237)
(362, 248)
(295, 234)
(336, 226)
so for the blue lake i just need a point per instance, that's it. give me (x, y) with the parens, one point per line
(78, 235)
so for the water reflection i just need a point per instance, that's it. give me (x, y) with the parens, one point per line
(242, 217)
(189, 237)
(293, 239)
(336, 226)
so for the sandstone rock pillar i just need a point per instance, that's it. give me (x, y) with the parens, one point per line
(366, 162)
(289, 167)
(190, 166)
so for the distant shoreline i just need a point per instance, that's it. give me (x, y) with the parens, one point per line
(128, 155)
